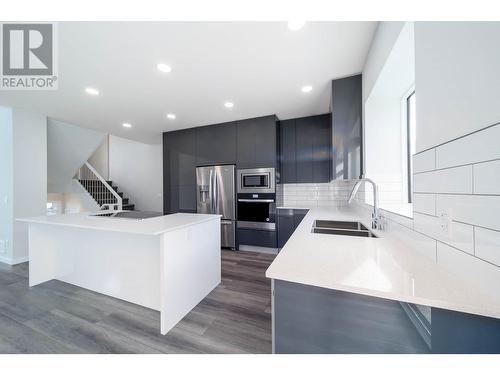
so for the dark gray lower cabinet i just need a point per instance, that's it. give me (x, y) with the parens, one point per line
(331, 321)
(455, 332)
(288, 221)
(254, 237)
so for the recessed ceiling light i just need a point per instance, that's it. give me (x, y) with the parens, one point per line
(307, 88)
(92, 91)
(228, 104)
(164, 68)
(126, 125)
(171, 116)
(295, 25)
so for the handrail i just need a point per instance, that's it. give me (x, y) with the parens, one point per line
(102, 192)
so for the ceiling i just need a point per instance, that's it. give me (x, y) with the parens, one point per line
(259, 66)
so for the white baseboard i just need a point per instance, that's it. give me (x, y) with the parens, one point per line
(258, 249)
(14, 261)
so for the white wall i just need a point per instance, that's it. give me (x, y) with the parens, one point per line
(456, 83)
(28, 151)
(384, 124)
(382, 44)
(69, 146)
(6, 184)
(100, 158)
(137, 169)
(458, 79)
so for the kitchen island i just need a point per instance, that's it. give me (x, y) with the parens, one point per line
(166, 263)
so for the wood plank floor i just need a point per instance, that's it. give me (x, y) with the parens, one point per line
(56, 317)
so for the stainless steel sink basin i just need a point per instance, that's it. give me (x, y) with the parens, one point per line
(344, 232)
(343, 228)
(353, 225)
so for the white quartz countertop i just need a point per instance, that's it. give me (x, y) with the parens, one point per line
(379, 267)
(150, 226)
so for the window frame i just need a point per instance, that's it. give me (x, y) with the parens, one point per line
(406, 157)
(408, 146)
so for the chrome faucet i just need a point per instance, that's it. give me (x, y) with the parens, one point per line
(376, 220)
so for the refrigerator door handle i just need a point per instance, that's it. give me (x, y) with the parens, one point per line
(216, 195)
(211, 190)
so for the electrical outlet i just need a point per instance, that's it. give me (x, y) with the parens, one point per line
(445, 221)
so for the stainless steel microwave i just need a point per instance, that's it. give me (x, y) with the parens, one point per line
(258, 180)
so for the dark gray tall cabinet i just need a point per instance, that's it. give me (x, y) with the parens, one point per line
(346, 108)
(179, 178)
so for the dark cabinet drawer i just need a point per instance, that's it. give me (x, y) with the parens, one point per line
(254, 237)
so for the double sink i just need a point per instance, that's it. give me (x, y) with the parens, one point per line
(343, 228)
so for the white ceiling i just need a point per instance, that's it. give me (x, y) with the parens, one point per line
(260, 66)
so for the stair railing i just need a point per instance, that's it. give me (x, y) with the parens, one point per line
(107, 198)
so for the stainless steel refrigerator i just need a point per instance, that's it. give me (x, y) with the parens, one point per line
(215, 195)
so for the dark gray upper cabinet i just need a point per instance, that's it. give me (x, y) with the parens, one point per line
(304, 138)
(322, 146)
(216, 144)
(225, 143)
(205, 153)
(305, 149)
(288, 157)
(346, 107)
(257, 142)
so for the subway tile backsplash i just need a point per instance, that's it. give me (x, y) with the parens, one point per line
(310, 195)
(473, 148)
(451, 180)
(456, 185)
(456, 208)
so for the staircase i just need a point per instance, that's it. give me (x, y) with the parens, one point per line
(102, 197)
(107, 195)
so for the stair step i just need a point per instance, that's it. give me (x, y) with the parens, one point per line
(129, 207)
(124, 200)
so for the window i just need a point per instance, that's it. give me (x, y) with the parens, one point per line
(411, 128)
(52, 208)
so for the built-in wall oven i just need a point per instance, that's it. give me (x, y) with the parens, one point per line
(257, 199)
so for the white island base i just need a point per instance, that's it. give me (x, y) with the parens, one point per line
(168, 263)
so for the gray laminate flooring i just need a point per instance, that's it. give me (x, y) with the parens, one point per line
(55, 317)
